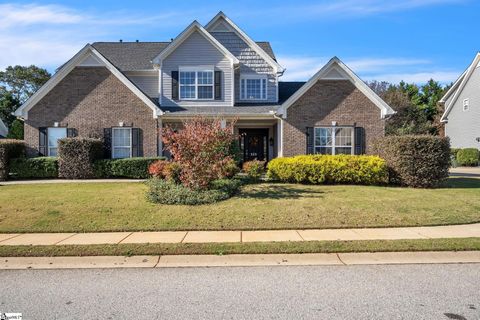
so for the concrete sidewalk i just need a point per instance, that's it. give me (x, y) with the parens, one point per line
(453, 231)
(240, 260)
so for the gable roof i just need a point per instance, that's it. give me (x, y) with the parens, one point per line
(3, 129)
(268, 58)
(83, 54)
(193, 27)
(458, 86)
(335, 69)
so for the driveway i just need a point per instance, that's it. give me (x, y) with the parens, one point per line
(472, 172)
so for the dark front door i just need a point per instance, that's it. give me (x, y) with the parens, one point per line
(254, 144)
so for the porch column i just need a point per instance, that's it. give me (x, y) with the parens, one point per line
(159, 137)
(279, 137)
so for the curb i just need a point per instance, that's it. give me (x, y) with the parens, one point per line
(240, 260)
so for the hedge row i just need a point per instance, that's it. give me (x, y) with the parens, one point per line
(318, 169)
(76, 157)
(34, 168)
(415, 161)
(134, 168)
(9, 149)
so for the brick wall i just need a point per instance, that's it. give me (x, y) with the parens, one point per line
(89, 100)
(327, 101)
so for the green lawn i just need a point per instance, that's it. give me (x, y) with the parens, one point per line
(122, 207)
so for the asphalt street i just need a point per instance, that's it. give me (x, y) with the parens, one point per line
(316, 292)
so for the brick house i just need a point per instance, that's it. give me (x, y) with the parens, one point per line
(125, 93)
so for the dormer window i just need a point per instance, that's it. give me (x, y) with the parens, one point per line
(196, 83)
(253, 87)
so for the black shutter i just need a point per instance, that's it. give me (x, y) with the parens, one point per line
(218, 85)
(137, 143)
(71, 132)
(107, 143)
(42, 142)
(310, 137)
(359, 140)
(175, 85)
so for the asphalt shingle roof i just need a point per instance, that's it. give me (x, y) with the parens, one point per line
(131, 56)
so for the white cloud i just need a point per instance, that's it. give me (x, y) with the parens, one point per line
(383, 69)
(12, 15)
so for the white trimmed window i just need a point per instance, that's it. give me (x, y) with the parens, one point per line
(53, 135)
(333, 140)
(196, 84)
(121, 143)
(253, 87)
(466, 104)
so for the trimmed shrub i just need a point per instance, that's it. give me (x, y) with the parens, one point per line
(76, 157)
(168, 192)
(468, 157)
(318, 169)
(156, 169)
(254, 169)
(133, 168)
(415, 161)
(230, 169)
(173, 172)
(34, 168)
(9, 149)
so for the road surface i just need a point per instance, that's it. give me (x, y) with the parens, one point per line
(316, 292)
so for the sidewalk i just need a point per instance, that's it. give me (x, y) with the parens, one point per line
(240, 260)
(453, 231)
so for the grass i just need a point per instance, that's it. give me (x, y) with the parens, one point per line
(90, 207)
(458, 244)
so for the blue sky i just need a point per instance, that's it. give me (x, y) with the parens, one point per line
(411, 40)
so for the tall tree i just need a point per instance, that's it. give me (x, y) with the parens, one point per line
(8, 104)
(22, 81)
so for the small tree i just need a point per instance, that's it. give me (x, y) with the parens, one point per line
(202, 148)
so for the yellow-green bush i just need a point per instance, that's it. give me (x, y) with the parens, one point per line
(318, 169)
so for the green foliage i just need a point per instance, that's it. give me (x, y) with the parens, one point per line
(32, 168)
(16, 130)
(254, 169)
(133, 168)
(415, 161)
(168, 192)
(468, 157)
(173, 172)
(76, 157)
(22, 81)
(9, 149)
(8, 104)
(318, 169)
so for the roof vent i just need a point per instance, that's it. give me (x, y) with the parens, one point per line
(136, 41)
(171, 39)
(121, 40)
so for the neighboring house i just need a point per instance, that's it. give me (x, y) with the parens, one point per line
(462, 108)
(3, 129)
(125, 93)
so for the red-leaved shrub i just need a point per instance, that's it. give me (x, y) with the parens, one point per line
(156, 169)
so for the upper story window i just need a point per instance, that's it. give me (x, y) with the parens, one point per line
(196, 84)
(333, 140)
(53, 135)
(466, 104)
(253, 87)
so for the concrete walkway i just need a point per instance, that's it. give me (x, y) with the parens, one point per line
(453, 231)
(240, 260)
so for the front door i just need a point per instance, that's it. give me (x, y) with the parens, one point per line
(254, 144)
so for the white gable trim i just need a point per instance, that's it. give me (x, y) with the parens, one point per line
(194, 26)
(3, 129)
(275, 65)
(335, 69)
(77, 59)
(453, 89)
(463, 81)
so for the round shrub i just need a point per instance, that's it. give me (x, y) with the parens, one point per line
(254, 169)
(77, 156)
(468, 157)
(156, 169)
(9, 149)
(168, 192)
(415, 161)
(34, 168)
(318, 169)
(173, 172)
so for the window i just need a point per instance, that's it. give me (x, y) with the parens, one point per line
(466, 103)
(53, 135)
(121, 143)
(196, 85)
(253, 87)
(333, 140)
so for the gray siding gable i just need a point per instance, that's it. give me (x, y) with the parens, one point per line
(463, 127)
(195, 51)
(250, 62)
